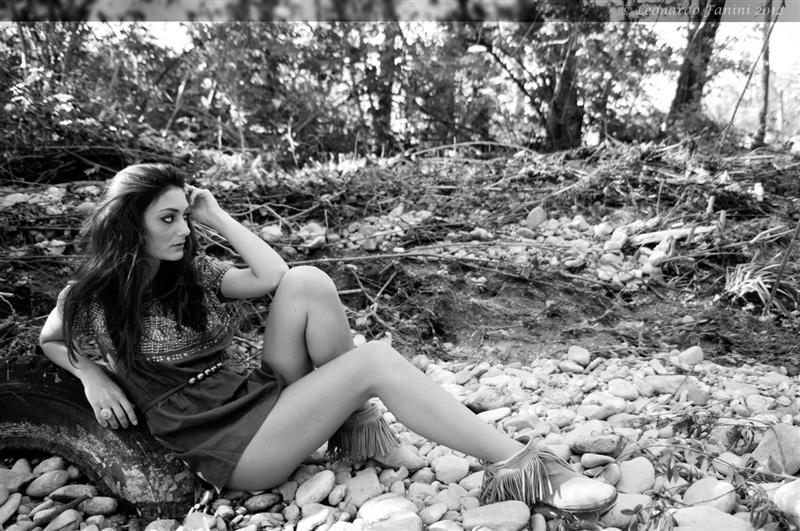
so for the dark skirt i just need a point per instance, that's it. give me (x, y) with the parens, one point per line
(209, 424)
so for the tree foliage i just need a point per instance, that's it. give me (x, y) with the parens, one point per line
(77, 97)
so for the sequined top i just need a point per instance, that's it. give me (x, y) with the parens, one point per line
(162, 341)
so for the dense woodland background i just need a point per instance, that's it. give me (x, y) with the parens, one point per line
(82, 98)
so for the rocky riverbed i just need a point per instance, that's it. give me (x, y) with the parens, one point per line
(687, 443)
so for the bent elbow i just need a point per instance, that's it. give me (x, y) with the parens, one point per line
(278, 276)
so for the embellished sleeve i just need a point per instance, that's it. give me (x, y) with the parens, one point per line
(80, 321)
(210, 271)
(87, 339)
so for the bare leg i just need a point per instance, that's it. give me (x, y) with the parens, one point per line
(313, 407)
(306, 325)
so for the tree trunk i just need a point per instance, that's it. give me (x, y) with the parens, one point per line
(758, 140)
(382, 113)
(693, 75)
(564, 116)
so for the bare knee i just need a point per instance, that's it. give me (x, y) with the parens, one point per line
(308, 281)
(380, 363)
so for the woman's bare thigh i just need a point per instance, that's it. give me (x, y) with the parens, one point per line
(306, 414)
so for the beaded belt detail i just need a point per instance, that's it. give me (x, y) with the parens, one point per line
(202, 374)
(189, 382)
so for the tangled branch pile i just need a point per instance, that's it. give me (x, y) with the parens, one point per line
(624, 223)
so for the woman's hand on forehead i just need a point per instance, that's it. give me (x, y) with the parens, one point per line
(202, 204)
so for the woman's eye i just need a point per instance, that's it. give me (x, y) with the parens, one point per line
(168, 219)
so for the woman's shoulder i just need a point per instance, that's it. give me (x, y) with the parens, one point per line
(84, 304)
(210, 271)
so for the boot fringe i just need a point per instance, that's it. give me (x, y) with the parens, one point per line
(365, 434)
(521, 477)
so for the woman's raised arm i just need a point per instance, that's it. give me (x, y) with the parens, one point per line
(265, 266)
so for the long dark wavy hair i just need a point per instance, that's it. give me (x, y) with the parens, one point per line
(114, 272)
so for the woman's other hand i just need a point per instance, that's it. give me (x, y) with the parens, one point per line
(111, 406)
(203, 205)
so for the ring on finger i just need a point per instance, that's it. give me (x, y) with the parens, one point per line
(106, 413)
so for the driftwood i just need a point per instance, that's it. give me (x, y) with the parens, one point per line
(661, 235)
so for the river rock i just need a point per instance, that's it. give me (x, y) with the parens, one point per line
(570, 367)
(47, 483)
(787, 499)
(709, 519)
(610, 474)
(445, 525)
(316, 488)
(441, 376)
(603, 412)
(608, 444)
(422, 491)
(758, 403)
(670, 383)
(781, 445)
(450, 468)
(69, 520)
(337, 495)
(162, 524)
(99, 505)
(451, 497)
(711, 492)
(560, 417)
(314, 516)
(262, 502)
(604, 398)
(624, 503)
(624, 420)
(579, 355)
(424, 475)
(390, 475)
(501, 516)
(772, 379)
(50, 464)
(10, 507)
(13, 480)
(494, 415)
(691, 356)
(70, 492)
(472, 481)
(590, 460)
(43, 512)
(486, 398)
(433, 513)
(22, 465)
(617, 240)
(198, 521)
(726, 462)
(738, 389)
(21, 525)
(623, 389)
(636, 476)
(381, 507)
(363, 486)
(536, 217)
(402, 521)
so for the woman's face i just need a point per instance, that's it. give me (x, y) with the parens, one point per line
(166, 227)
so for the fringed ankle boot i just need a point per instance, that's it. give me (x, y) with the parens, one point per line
(536, 475)
(365, 434)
